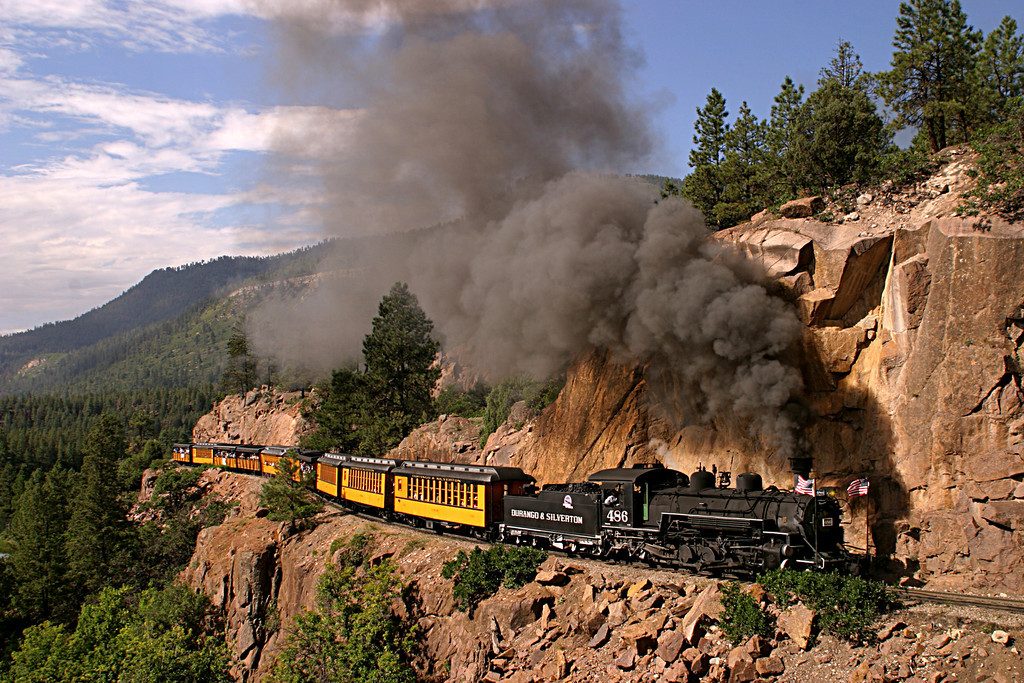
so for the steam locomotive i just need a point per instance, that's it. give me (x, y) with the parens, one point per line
(645, 512)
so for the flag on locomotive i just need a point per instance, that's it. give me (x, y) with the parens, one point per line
(804, 486)
(858, 487)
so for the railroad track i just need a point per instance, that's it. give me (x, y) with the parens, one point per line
(984, 601)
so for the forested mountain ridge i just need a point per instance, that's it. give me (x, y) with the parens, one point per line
(157, 333)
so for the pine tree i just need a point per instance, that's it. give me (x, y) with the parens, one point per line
(1001, 66)
(744, 189)
(839, 136)
(846, 69)
(782, 131)
(400, 353)
(931, 82)
(288, 494)
(371, 411)
(38, 561)
(704, 186)
(98, 537)
(240, 374)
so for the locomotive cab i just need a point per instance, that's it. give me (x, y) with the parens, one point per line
(626, 493)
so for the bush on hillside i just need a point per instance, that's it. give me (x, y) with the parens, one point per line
(847, 606)
(537, 395)
(742, 616)
(478, 575)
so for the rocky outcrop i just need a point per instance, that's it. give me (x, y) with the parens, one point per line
(450, 438)
(577, 621)
(262, 416)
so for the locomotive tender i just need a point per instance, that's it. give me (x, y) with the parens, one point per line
(645, 512)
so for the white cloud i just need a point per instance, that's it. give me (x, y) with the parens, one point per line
(79, 228)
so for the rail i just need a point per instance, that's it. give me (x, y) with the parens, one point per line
(983, 601)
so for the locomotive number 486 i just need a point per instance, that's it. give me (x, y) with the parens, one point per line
(618, 516)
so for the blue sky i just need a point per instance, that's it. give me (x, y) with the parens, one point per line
(135, 135)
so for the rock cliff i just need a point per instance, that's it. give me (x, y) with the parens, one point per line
(262, 416)
(577, 621)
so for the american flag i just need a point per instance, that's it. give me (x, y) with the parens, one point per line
(804, 486)
(858, 487)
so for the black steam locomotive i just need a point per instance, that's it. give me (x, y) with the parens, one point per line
(664, 517)
(645, 513)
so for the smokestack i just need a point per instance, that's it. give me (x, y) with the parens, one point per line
(501, 124)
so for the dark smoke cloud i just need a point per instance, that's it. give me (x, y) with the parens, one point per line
(500, 126)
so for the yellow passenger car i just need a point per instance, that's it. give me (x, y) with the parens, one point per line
(269, 457)
(366, 481)
(247, 458)
(455, 495)
(224, 455)
(182, 452)
(202, 453)
(327, 473)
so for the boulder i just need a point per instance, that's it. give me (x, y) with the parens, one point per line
(642, 637)
(600, 638)
(769, 666)
(549, 577)
(626, 660)
(802, 208)
(638, 588)
(743, 672)
(797, 622)
(708, 606)
(670, 645)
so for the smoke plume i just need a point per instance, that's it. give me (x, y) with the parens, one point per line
(500, 124)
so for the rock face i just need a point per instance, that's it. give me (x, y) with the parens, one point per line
(450, 438)
(263, 416)
(577, 621)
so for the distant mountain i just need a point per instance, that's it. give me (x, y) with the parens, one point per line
(159, 332)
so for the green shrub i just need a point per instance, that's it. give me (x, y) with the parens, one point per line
(354, 634)
(1000, 174)
(453, 401)
(907, 166)
(478, 575)
(289, 500)
(537, 395)
(354, 549)
(742, 616)
(847, 606)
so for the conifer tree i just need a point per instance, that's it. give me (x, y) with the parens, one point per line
(744, 189)
(288, 494)
(1001, 66)
(931, 83)
(840, 137)
(704, 185)
(371, 411)
(782, 131)
(400, 353)
(845, 68)
(38, 561)
(98, 533)
(240, 374)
